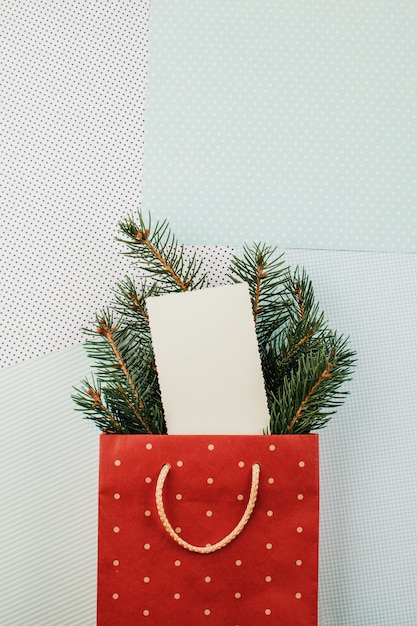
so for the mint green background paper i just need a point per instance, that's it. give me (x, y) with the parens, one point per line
(291, 121)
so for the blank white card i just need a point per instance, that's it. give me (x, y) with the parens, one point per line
(208, 361)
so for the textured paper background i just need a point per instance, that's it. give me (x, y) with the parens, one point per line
(293, 122)
(73, 115)
(288, 120)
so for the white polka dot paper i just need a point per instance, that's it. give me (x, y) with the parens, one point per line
(195, 561)
(294, 121)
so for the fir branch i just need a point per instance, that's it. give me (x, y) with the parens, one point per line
(305, 329)
(266, 277)
(125, 368)
(132, 304)
(108, 332)
(298, 345)
(309, 393)
(134, 410)
(301, 303)
(158, 253)
(89, 400)
(135, 347)
(98, 403)
(323, 376)
(304, 363)
(144, 238)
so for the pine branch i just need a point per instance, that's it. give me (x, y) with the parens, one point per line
(294, 347)
(125, 368)
(90, 401)
(305, 328)
(134, 410)
(295, 343)
(267, 278)
(109, 333)
(130, 303)
(301, 303)
(157, 253)
(304, 363)
(310, 393)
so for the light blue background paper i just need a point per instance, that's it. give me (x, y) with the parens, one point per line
(290, 119)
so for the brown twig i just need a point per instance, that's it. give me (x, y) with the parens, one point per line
(260, 275)
(105, 330)
(99, 402)
(325, 374)
(143, 237)
(135, 411)
(297, 345)
(300, 299)
(138, 306)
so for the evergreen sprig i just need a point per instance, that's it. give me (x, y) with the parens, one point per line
(305, 364)
(266, 276)
(309, 392)
(124, 395)
(157, 253)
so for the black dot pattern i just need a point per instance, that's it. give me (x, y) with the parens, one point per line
(73, 100)
(73, 107)
(215, 262)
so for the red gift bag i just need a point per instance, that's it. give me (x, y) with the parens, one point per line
(208, 530)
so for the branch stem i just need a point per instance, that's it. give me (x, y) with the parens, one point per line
(143, 238)
(108, 333)
(137, 302)
(135, 411)
(98, 401)
(325, 374)
(300, 343)
(260, 266)
(300, 299)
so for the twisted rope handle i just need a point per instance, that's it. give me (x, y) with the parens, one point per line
(207, 549)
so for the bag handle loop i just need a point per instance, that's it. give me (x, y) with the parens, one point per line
(207, 549)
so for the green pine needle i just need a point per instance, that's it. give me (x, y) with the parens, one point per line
(305, 364)
(156, 251)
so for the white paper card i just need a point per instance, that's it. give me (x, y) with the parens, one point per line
(208, 361)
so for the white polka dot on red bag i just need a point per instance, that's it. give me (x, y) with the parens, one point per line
(267, 570)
